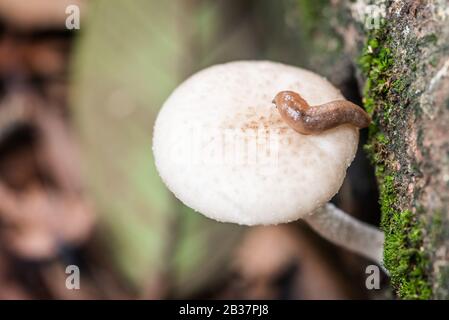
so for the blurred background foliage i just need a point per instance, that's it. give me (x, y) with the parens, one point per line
(103, 85)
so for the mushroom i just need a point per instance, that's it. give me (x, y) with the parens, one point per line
(223, 149)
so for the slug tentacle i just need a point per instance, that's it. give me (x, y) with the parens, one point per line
(306, 119)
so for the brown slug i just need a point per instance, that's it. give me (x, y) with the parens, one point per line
(306, 119)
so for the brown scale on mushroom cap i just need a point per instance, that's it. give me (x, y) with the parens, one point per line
(306, 119)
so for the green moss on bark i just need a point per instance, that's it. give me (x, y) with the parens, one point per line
(404, 256)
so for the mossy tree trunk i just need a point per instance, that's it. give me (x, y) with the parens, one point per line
(399, 53)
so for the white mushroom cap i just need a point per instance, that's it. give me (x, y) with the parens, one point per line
(222, 148)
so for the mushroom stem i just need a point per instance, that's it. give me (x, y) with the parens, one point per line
(342, 229)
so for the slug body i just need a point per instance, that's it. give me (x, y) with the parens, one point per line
(306, 119)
